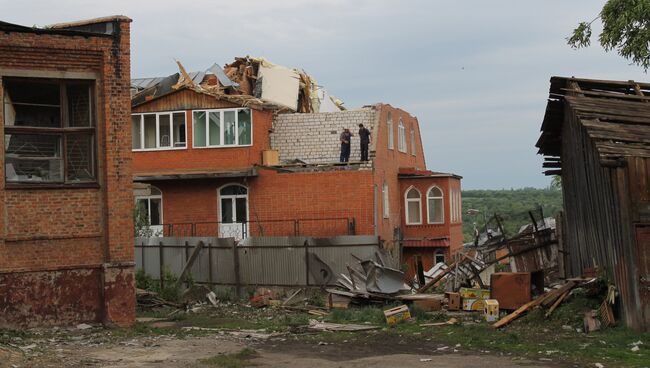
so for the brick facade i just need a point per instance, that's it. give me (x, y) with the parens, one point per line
(66, 251)
(277, 195)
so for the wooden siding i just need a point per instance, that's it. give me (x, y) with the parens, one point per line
(184, 100)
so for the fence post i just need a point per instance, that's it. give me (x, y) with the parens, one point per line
(142, 256)
(210, 265)
(306, 263)
(187, 255)
(296, 227)
(161, 259)
(235, 255)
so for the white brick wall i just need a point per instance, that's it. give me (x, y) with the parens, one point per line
(314, 138)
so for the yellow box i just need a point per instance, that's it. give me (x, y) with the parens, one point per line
(472, 304)
(474, 293)
(491, 310)
(270, 157)
(397, 314)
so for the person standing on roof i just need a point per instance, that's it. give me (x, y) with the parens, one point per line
(346, 137)
(364, 138)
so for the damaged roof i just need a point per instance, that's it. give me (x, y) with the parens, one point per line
(614, 114)
(96, 27)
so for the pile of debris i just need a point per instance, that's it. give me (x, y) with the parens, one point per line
(248, 81)
(369, 281)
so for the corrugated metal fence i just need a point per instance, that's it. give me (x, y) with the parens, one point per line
(263, 261)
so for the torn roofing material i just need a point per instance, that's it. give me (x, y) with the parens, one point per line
(97, 27)
(614, 114)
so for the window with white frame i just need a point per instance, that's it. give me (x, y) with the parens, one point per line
(149, 204)
(452, 205)
(389, 127)
(413, 141)
(439, 257)
(401, 136)
(159, 131)
(413, 205)
(386, 200)
(435, 209)
(222, 128)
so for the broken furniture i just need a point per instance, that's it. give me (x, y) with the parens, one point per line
(514, 289)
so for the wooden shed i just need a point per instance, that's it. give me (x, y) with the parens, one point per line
(596, 135)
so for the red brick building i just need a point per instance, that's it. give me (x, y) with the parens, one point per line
(199, 169)
(66, 247)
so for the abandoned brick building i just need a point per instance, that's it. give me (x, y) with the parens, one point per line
(66, 249)
(211, 163)
(595, 135)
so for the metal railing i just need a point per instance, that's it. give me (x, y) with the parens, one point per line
(315, 227)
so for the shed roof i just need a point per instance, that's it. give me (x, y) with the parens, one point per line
(615, 115)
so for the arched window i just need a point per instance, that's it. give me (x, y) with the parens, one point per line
(413, 141)
(435, 209)
(413, 205)
(401, 136)
(389, 127)
(386, 201)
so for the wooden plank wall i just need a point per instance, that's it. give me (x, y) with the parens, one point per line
(597, 215)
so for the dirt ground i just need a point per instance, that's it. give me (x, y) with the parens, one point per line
(290, 351)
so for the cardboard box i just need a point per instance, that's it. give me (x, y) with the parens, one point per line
(429, 304)
(491, 310)
(397, 314)
(454, 301)
(270, 157)
(470, 304)
(470, 293)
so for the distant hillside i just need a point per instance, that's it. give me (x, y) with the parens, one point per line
(512, 205)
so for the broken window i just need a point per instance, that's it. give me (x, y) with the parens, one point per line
(439, 257)
(401, 136)
(49, 131)
(389, 127)
(386, 200)
(435, 210)
(148, 199)
(220, 128)
(155, 131)
(413, 207)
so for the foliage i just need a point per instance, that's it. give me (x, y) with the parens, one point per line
(626, 29)
(169, 291)
(556, 182)
(511, 205)
(141, 227)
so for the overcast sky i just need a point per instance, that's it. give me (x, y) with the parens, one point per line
(475, 73)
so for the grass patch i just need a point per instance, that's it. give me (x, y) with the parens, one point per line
(233, 360)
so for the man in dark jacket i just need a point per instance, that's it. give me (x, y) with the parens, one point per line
(364, 138)
(346, 137)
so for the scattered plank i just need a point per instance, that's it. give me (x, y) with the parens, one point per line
(451, 321)
(326, 326)
(557, 303)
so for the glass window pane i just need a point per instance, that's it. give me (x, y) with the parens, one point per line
(136, 131)
(241, 209)
(150, 131)
(155, 217)
(244, 125)
(438, 213)
(78, 105)
(215, 128)
(226, 210)
(198, 118)
(413, 193)
(435, 192)
(234, 190)
(179, 129)
(413, 214)
(164, 130)
(33, 158)
(79, 157)
(34, 104)
(229, 127)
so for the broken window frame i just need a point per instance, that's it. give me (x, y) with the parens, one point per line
(408, 201)
(386, 198)
(439, 202)
(172, 144)
(64, 133)
(401, 136)
(389, 127)
(222, 129)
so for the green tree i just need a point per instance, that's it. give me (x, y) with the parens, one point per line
(626, 29)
